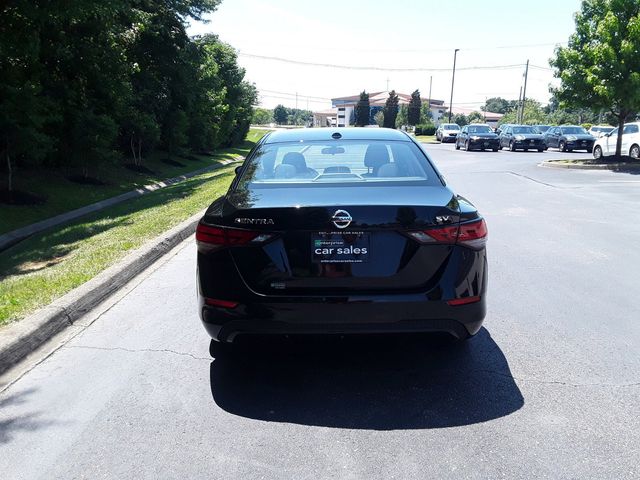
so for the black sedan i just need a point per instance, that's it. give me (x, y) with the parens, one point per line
(477, 136)
(340, 231)
(569, 137)
(522, 137)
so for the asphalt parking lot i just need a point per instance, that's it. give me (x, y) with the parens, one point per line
(549, 388)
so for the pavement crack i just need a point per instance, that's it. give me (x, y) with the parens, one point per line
(141, 350)
(558, 382)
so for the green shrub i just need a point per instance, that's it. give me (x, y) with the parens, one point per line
(425, 129)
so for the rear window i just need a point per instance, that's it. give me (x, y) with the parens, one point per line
(354, 162)
(449, 126)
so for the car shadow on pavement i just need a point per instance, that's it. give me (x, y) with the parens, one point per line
(366, 382)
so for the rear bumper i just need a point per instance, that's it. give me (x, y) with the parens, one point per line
(334, 315)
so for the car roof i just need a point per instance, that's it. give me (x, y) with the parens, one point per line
(326, 133)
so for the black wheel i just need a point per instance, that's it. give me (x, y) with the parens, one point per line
(589, 150)
(526, 149)
(495, 149)
(634, 151)
(512, 146)
(541, 150)
(597, 152)
(482, 149)
(466, 145)
(562, 146)
(457, 146)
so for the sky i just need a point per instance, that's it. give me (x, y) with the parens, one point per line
(400, 35)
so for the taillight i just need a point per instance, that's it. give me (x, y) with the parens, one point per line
(216, 302)
(212, 237)
(472, 234)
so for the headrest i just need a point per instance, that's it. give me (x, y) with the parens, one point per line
(376, 156)
(297, 160)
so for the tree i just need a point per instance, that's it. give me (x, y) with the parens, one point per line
(499, 105)
(280, 114)
(533, 114)
(379, 118)
(600, 66)
(391, 110)
(461, 119)
(415, 106)
(475, 117)
(363, 108)
(262, 116)
(402, 119)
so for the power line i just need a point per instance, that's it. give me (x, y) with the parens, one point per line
(293, 94)
(376, 68)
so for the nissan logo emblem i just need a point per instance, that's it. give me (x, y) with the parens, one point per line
(341, 219)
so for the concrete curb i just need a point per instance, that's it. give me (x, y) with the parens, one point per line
(596, 166)
(21, 338)
(15, 236)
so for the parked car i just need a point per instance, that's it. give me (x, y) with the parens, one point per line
(477, 136)
(606, 145)
(524, 137)
(340, 230)
(568, 138)
(599, 130)
(447, 132)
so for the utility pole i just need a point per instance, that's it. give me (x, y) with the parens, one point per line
(519, 105)
(429, 101)
(524, 91)
(453, 78)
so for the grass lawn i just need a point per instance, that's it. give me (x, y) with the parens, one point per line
(63, 195)
(44, 267)
(426, 138)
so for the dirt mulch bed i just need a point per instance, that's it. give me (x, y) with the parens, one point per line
(18, 197)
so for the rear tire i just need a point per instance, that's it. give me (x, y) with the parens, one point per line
(562, 147)
(597, 152)
(634, 152)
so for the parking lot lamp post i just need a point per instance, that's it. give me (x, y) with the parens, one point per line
(453, 78)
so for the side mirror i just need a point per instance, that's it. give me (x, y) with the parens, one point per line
(238, 169)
